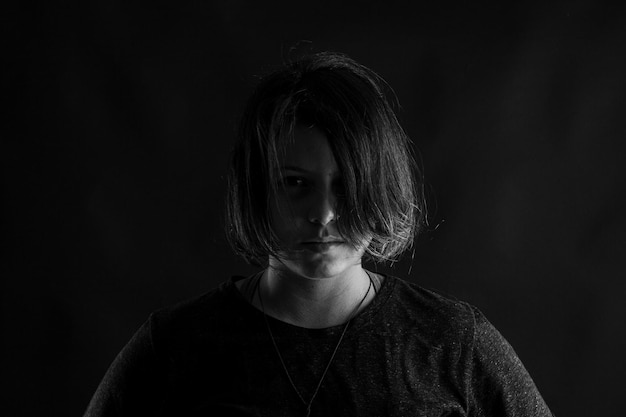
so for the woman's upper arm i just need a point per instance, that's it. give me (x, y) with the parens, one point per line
(500, 384)
(134, 383)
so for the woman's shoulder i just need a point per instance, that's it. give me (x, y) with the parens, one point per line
(216, 307)
(431, 311)
(413, 295)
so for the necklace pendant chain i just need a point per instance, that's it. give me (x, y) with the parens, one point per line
(332, 356)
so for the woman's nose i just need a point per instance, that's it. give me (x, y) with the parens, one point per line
(323, 208)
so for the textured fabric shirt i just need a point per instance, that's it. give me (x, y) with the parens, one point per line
(410, 352)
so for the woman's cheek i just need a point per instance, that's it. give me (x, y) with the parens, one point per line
(285, 225)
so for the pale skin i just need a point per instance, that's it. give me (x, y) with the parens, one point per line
(317, 281)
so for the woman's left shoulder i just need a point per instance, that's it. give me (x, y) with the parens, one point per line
(433, 310)
(423, 298)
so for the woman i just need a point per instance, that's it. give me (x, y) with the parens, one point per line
(322, 177)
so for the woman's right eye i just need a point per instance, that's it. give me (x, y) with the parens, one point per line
(294, 182)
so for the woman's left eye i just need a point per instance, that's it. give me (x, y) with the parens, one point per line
(340, 189)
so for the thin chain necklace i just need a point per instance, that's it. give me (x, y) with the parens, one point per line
(282, 362)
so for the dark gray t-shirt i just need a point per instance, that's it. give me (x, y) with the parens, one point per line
(411, 352)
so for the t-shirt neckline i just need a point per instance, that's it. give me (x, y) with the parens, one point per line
(364, 318)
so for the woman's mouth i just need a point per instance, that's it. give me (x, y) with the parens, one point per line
(321, 246)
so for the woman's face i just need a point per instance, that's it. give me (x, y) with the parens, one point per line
(304, 213)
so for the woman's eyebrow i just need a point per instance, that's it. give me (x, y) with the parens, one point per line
(293, 168)
(304, 170)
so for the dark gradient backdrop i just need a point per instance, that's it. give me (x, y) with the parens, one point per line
(115, 143)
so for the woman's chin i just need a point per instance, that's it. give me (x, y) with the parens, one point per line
(318, 261)
(320, 267)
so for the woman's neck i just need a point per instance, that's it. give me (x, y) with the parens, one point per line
(310, 302)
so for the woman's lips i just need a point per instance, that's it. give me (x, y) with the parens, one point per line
(321, 246)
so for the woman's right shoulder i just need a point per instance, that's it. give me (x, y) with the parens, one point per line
(210, 309)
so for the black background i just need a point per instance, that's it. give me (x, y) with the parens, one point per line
(121, 115)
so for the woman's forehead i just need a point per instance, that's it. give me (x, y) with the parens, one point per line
(309, 150)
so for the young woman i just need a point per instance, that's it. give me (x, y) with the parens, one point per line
(321, 179)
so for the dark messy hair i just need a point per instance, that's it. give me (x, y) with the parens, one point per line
(348, 103)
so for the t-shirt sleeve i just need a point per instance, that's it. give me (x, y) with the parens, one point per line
(133, 384)
(500, 385)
